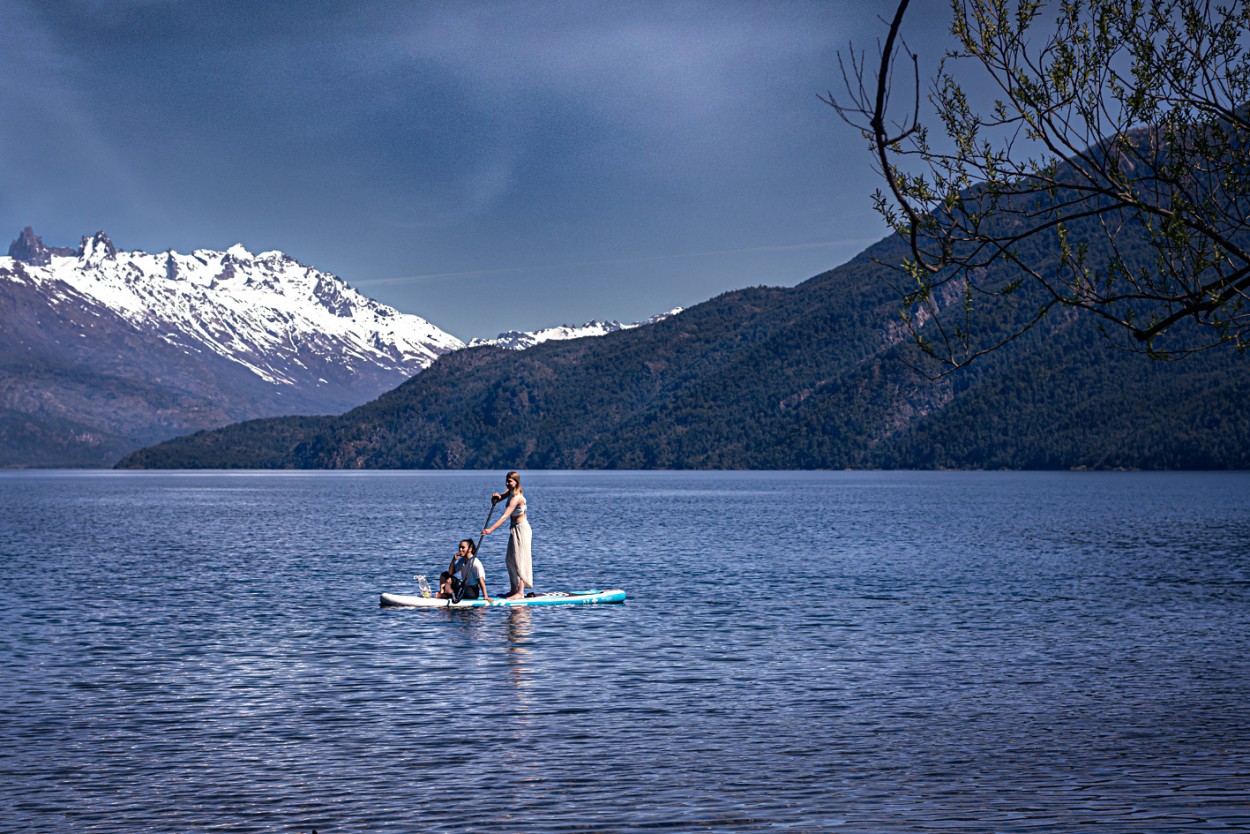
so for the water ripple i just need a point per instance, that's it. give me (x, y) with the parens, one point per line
(936, 652)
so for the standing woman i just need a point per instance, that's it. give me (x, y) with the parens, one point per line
(520, 569)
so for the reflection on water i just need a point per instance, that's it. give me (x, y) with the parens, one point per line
(520, 628)
(801, 651)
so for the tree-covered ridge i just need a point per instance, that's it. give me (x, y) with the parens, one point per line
(814, 376)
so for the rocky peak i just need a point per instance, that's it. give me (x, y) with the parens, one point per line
(96, 248)
(30, 249)
(171, 266)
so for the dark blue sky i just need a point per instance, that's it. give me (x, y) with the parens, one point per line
(486, 165)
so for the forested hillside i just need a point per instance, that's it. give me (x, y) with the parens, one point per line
(806, 377)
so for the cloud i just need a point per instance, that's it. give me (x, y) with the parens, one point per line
(618, 59)
(665, 89)
(57, 154)
(539, 268)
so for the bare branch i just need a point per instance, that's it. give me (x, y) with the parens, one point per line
(1117, 130)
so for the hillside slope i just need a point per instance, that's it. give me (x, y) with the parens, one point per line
(806, 377)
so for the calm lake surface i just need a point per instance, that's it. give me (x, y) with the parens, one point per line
(185, 652)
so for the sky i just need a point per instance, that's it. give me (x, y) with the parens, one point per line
(488, 166)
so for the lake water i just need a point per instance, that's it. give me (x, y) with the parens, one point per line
(187, 652)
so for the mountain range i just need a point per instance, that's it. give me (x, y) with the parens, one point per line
(819, 375)
(103, 351)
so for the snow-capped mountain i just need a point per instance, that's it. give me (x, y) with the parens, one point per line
(520, 340)
(267, 312)
(102, 349)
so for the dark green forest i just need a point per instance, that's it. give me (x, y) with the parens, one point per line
(820, 375)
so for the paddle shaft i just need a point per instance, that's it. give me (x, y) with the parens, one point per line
(484, 526)
(455, 597)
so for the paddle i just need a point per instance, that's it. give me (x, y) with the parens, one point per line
(455, 596)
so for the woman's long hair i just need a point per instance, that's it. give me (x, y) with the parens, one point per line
(517, 477)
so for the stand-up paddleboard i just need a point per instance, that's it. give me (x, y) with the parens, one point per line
(555, 598)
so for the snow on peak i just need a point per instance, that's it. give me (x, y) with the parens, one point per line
(239, 253)
(96, 249)
(268, 313)
(520, 340)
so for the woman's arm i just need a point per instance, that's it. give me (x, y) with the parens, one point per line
(480, 573)
(507, 512)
